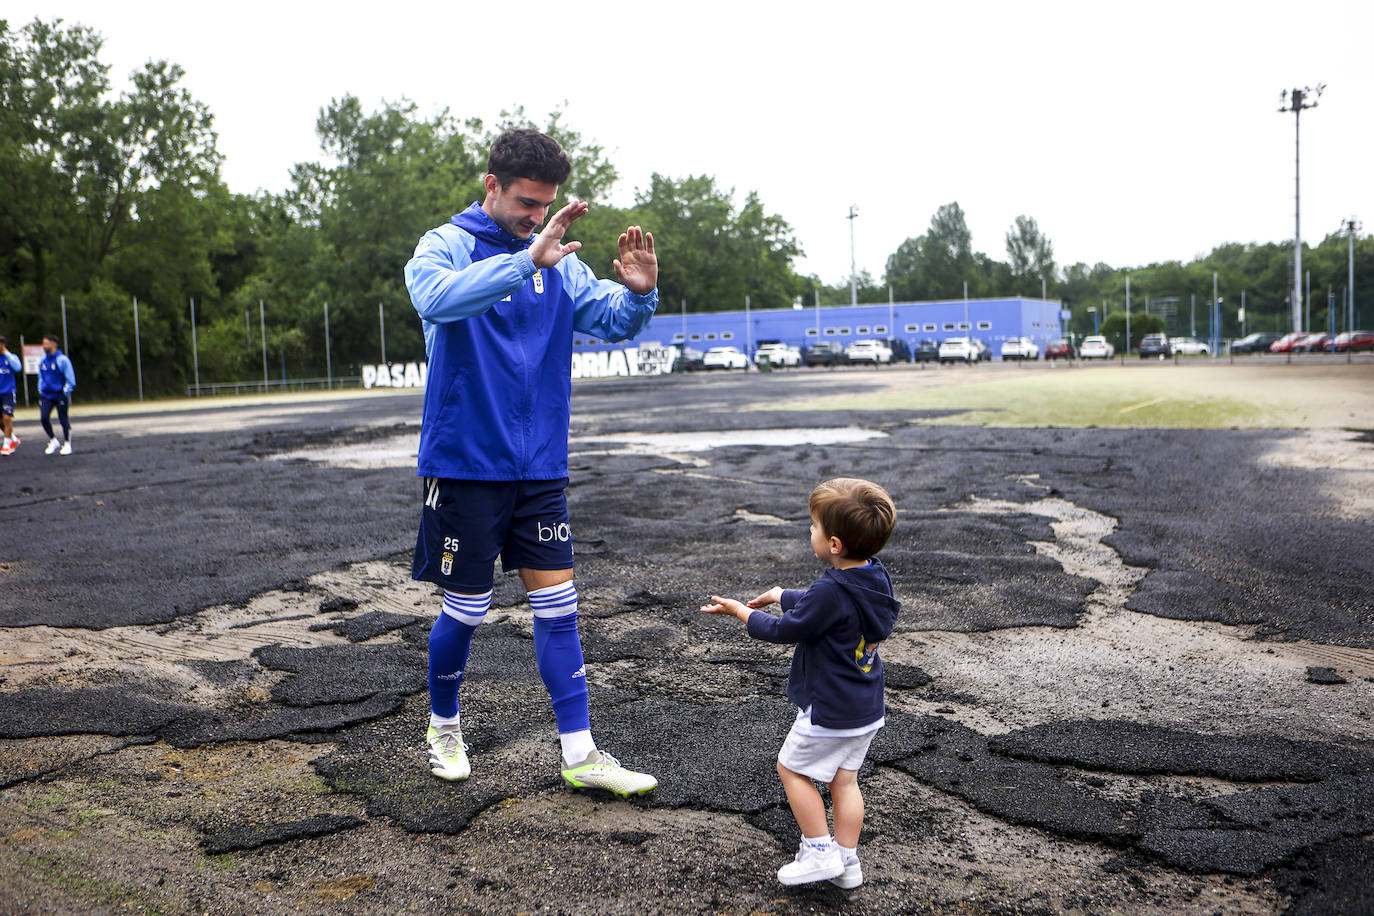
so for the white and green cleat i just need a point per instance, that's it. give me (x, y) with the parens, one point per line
(602, 771)
(448, 755)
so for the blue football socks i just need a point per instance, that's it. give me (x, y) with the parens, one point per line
(450, 639)
(558, 652)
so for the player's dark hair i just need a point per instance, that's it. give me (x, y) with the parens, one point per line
(526, 153)
(4, 341)
(52, 337)
(858, 512)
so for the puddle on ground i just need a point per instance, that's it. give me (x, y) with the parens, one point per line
(401, 451)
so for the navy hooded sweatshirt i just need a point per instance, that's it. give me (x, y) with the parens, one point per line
(837, 625)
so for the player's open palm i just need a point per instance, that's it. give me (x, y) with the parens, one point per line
(637, 266)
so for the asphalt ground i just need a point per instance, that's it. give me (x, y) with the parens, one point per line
(1133, 672)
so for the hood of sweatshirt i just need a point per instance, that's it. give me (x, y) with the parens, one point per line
(871, 588)
(477, 221)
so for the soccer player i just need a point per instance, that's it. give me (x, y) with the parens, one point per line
(499, 304)
(56, 380)
(9, 366)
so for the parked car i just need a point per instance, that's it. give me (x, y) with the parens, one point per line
(1312, 343)
(1020, 348)
(688, 360)
(900, 351)
(778, 355)
(1059, 349)
(1255, 343)
(1189, 346)
(927, 351)
(981, 350)
(1285, 343)
(958, 350)
(876, 352)
(823, 353)
(1155, 345)
(1354, 341)
(1096, 347)
(724, 358)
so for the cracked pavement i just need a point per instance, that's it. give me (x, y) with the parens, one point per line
(213, 676)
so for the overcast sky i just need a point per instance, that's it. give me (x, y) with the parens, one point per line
(1132, 133)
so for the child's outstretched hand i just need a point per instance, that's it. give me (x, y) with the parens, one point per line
(721, 605)
(772, 596)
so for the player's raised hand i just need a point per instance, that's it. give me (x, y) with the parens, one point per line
(637, 266)
(548, 247)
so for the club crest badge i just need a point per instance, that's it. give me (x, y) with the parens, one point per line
(539, 282)
(446, 564)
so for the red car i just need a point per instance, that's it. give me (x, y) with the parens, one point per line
(1285, 343)
(1354, 341)
(1313, 343)
(1059, 349)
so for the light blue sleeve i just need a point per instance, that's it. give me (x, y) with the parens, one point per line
(604, 308)
(68, 373)
(15, 363)
(445, 285)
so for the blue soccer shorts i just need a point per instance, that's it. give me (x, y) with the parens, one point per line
(7, 403)
(466, 524)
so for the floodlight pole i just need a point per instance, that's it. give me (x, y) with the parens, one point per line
(853, 268)
(1295, 102)
(1351, 225)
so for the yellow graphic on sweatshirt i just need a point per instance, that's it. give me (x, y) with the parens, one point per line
(865, 655)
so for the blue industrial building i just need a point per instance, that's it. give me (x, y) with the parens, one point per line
(991, 320)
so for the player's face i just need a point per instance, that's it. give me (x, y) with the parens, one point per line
(519, 208)
(49, 347)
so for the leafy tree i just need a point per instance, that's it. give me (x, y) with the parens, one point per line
(1030, 252)
(1142, 323)
(713, 255)
(105, 199)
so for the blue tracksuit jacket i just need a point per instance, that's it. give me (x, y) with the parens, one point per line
(55, 375)
(498, 336)
(9, 367)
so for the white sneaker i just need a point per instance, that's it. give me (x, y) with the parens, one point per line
(66, 448)
(812, 865)
(851, 877)
(448, 755)
(53, 445)
(602, 771)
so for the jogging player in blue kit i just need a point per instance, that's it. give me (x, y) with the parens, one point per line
(499, 305)
(56, 381)
(10, 365)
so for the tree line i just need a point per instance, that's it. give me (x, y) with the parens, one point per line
(107, 200)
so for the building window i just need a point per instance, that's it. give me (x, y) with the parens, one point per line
(913, 328)
(880, 329)
(985, 325)
(727, 335)
(963, 325)
(844, 331)
(710, 337)
(930, 326)
(829, 332)
(696, 337)
(949, 325)
(677, 338)
(811, 332)
(863, 330)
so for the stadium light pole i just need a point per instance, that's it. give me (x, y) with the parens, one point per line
(853, 268)
(1295, 101)
(1351, 225)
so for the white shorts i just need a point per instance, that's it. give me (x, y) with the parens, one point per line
(821, 758)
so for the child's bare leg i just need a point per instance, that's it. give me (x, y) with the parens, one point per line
(807, 806)
(848, 803)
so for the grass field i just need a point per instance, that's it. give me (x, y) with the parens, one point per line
(1162, 395)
